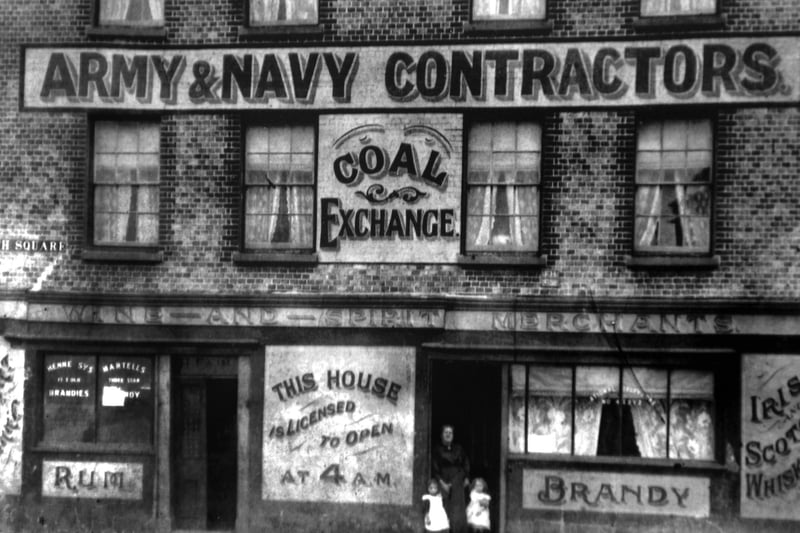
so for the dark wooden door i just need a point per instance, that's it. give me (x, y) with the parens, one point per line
(191, 456)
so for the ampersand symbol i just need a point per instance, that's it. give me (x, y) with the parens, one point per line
(204, 80)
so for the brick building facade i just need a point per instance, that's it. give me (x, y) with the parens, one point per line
(256, 254)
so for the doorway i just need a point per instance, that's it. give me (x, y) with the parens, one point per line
(467, 395)
(205, 451)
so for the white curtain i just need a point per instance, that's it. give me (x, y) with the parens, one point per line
(271, 11)
(486, 221)
(651, 428)
(513, 8)
(685, 223)
(587, 425)
(669, 7)
(652, 204)
(114, 10)
(132, 11)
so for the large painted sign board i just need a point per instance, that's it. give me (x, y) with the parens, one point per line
(770, 474)
(338, 424)
(615, 73)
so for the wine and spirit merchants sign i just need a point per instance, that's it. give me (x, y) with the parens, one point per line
(615, 73)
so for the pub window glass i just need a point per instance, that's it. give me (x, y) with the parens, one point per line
(655, 8)
(126, 183)
(508, 9)
(126, 399)
(69, 398)
(673, 186)
(89, 399)
(653, 413)
(279, 187)
(503, 187)
(131, 12)
(276, 12)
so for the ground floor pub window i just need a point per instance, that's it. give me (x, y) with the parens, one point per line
(98, 399)
(597, 410)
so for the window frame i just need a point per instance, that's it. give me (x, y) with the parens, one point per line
(678, 14)
(523, 258)
(99, 29)
(721, 411)
(674, 257)
(37, 393)
(249, 30)
(247, 255)
(682, 21)
(123, 251)
(526, 26)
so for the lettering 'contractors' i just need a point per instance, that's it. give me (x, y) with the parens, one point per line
(547, 75)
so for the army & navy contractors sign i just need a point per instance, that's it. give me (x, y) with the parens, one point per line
(617, 73)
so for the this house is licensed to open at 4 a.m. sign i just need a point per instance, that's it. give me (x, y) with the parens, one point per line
(257, 268)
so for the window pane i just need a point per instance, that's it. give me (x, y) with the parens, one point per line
(550, 409)
(678, 7)
(265, 12)
(69, 398)
(595, 387)
(644, 392)
(280, 214)
(126, 405)
(126, 153)
(132, 12)
(502, 217)
(508, 9)
(516, 410)
(674, 217)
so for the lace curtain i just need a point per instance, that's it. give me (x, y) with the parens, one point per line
(277, 11)
(678, 7)
(502, 205)
(144, 12)
(644, 392)
(673, 177)
(508, 8)
(279, 199)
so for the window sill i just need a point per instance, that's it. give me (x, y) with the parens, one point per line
(612, 462)
(666, 262)
(127, 32)
(105, 448)
(279, 31)
(146, 255)
(497, 259)
(517, 27)
(680, 22)
(261, 258)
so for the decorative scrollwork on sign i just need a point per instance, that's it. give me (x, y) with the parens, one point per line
(376, 194)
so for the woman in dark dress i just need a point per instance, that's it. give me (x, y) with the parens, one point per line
(450, 466)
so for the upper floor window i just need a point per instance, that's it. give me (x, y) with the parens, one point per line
(146, 13)
(612, 411)
(126, 183)
(503, 187)
(508, 9)
(673, 186)
(657, 8)
(275, 12)
(279, 187)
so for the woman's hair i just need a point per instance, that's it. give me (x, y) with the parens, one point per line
(475, 481)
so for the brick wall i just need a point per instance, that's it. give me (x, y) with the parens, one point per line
(586, 191)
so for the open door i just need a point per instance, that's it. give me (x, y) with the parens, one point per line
(205, 465)
(467, 395)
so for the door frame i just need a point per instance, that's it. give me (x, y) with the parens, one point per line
(165, 434)
(501, 367)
